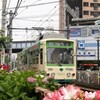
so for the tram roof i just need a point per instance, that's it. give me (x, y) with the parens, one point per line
(51, 35)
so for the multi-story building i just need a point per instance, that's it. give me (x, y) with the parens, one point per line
(82, 9)
(91, 8)
(86, 10)
(87, 51)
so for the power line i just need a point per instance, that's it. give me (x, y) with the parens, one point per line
(8, 4)
(14, 14)
(46, 14)
(49, 17)
(36, 20)
(36, 28)
(27, 7)
(39, 4)
(36, 16)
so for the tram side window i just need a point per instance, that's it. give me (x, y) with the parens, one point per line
(31, 57)
(41, 56)
(35, 56)
(24, 60)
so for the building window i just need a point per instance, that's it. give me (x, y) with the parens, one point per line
(95, 14)
(95, 0)
(18, 45)
(86, 12)
(96, 6)
(98, 13)
(86, 4)
(23, 45)
(92, 13)
(91, 4)
(14, 45)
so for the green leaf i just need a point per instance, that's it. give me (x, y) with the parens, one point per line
(2, 89)
(16, 91)
(28, 98)
(9, 94)
(22, 94)
(14, 98)
(22, 80)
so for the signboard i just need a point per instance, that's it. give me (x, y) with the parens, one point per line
(86, 53)
(74, 32)
(81, 44)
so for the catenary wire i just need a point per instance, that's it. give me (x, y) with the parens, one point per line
(39, 4)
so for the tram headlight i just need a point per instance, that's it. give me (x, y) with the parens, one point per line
(48, 74)
(52, 74)
(68, 74)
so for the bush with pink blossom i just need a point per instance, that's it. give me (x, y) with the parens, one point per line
(72, 92)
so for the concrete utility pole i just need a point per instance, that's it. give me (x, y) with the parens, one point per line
(67, 24)
(4, 2)
(9, 42)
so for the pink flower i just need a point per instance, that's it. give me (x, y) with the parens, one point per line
(48, 96)
(31, 80)
(64, 93)
(73, 91)
(57, 96)
(53, 96)
(97, 95)
(89, 95)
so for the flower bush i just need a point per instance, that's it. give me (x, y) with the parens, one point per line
(20, 85)
(72, 93)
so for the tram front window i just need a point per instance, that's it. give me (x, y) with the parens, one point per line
(59, 55)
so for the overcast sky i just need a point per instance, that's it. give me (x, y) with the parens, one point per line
(33, 13)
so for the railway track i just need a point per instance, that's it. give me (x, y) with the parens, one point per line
(84, 88)
(87, 89)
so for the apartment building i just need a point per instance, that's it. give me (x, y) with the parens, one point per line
(85, 8)
(91, 8)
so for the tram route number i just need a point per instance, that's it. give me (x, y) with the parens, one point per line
(69, 69)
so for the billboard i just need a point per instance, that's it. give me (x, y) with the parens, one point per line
(74, 32)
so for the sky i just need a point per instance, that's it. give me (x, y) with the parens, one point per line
(32, 13)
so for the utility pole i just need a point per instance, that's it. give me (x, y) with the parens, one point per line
(9, 42)
(4, 2)
(67, 24)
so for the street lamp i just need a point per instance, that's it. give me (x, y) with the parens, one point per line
(97, 37)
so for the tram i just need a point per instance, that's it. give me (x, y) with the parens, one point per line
(53, 54)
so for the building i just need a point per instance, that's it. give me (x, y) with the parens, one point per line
(87, 52)
(81, 11)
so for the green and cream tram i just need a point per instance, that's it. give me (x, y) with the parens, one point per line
(56, 56)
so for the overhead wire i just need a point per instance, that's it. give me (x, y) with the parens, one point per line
(24, 10)
(27, 7)
(45, 17)
(35, 20)
(39, 4)
(43, 4)
(47, 14)
(49, 17)
(15, 12)
(8, 5)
